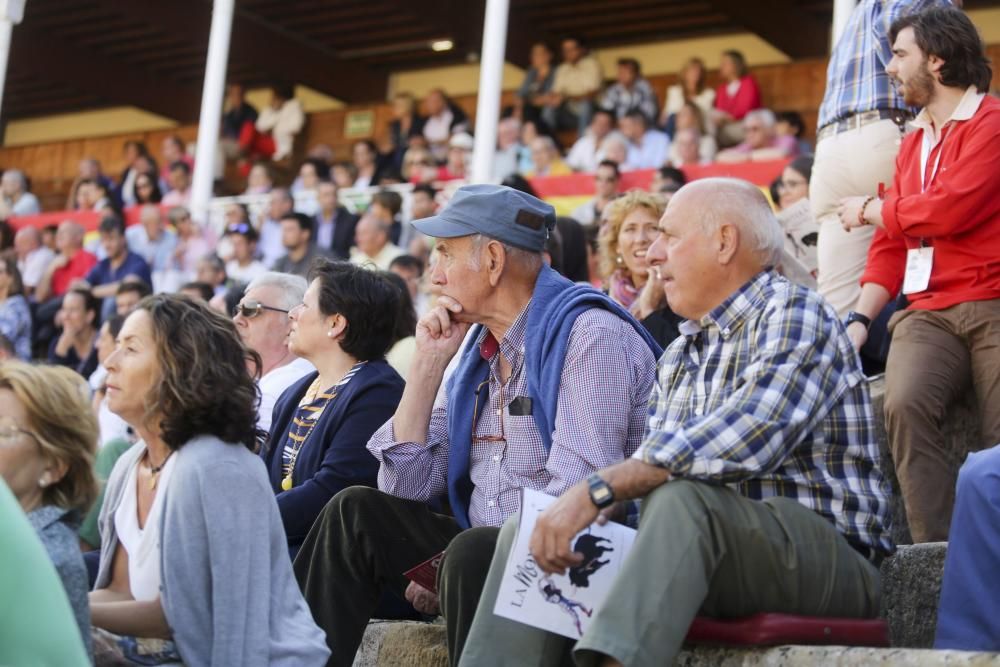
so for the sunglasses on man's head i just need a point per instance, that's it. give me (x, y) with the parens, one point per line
(238, 228)
(251, 308)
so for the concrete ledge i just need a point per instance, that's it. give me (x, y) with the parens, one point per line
(911, 587)
(396, 643)
(839, 656)
(391, 643)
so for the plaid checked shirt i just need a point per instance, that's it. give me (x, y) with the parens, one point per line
(855, 78)
(606, 382)
(621, 100)
(766, 394)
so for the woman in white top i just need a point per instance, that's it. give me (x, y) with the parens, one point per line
(282, 119)
(690, 87)
(192, 546)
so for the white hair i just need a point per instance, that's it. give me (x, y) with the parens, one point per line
(511, 122)
(531, 262)
(74, 229)
(150, 212)
(16, 175)
(545, 141)
(291, 287)
(692, 131)
(614, 140)
(741, 203)
(765, 116)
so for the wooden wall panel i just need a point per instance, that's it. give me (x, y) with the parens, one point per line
(52, 166)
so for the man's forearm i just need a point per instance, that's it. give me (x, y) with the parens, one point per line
(102, 291)
(413, 415)
(633, 478)
(873, 299)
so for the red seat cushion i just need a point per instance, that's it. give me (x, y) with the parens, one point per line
(775, 629)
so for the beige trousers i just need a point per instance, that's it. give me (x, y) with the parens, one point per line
(848, 164)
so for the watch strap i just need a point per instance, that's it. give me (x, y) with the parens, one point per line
(855, 316)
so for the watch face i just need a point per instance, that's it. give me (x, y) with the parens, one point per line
(601, 496)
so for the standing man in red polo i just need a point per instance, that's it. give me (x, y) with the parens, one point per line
(938, 240)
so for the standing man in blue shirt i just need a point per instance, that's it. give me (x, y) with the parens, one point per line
(861, 125)
(120, 264)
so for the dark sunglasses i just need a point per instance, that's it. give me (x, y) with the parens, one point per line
(251, 308)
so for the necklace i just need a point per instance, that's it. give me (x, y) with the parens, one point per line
(154, 471)
(314, 403)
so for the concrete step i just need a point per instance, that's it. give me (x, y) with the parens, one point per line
(399, 643)
(911, 587)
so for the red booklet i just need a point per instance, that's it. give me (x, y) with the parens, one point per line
(425, 574)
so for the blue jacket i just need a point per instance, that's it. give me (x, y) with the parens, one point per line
(334, 456)
(555, 305)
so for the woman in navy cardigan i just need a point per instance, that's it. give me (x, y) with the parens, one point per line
(322, 423)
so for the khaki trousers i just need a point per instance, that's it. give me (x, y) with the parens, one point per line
(933, 359)
(848, 164)
(700, 549)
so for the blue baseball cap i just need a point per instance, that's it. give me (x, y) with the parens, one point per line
(505, 214)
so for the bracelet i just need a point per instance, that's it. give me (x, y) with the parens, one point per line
(861, 213)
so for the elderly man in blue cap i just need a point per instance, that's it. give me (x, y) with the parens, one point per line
(550, 385)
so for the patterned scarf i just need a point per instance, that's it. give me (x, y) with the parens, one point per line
(622, 289)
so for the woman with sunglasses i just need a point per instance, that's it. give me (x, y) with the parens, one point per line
(193, 566)
(323, 422)
(46, 458)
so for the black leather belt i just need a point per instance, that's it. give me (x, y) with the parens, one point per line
(854, 121)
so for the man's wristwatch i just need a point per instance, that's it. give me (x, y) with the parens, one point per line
(855, 316)
(600, 492)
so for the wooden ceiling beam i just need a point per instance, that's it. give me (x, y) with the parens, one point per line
(601, 7)
(782, 23)
(266, 45)
(634, 19)
(372, 30)
(113, 80)
(308, 21)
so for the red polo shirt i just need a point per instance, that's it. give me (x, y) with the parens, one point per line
(78, 267)
(957, 213)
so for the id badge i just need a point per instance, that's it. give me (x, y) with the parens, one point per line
(918, 269)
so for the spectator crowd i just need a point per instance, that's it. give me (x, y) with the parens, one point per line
(227, 444)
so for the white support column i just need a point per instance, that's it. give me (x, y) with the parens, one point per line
(490, 82)
(11, 13)
(212, 94)
(841, 12)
